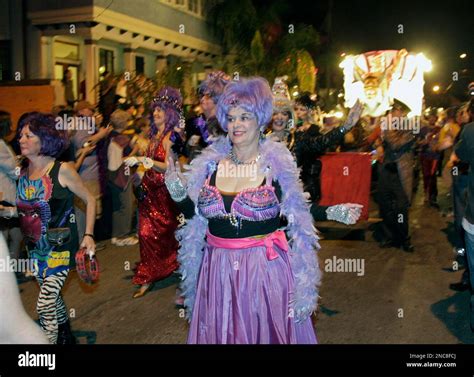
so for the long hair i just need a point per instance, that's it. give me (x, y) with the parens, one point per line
(251, 94)
(170, 101)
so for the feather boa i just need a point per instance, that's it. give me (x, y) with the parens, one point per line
(303, 240)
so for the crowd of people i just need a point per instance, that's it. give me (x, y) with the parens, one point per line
(225, 196)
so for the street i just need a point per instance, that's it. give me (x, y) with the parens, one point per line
(399, 297)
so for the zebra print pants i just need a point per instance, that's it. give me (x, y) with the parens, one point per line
(50, 306)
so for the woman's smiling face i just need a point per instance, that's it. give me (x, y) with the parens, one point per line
(242, 126)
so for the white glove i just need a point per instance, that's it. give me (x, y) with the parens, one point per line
(194, 140)
(347, 213)
(131, 161)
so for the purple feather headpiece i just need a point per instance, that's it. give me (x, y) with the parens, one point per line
(170, 101)
(214, 85)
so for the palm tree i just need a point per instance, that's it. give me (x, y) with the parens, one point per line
(256, 42)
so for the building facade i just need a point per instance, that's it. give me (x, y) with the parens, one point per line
(40, 39)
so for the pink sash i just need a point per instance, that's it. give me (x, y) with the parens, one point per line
(277, 238)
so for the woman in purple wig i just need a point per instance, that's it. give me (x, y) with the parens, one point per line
(247, 278)
(44, 205)
(158, 213)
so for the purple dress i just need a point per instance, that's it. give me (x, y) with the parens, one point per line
(245, 285)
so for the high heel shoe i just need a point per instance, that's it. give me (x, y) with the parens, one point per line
(142, 290)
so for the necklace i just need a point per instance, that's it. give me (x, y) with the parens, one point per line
(236, 161)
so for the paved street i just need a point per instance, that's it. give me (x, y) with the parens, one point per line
(400, 298)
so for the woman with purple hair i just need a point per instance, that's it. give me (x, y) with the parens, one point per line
(157, 221)
(247, 278)
(44, 205)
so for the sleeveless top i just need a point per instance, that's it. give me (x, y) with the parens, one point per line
(44, 204)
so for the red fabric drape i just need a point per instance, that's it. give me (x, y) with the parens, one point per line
(345, 178)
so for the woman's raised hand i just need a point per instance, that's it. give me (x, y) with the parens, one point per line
(354, 115)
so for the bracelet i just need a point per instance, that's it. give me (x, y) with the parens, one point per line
(90, 235)
(147, 163)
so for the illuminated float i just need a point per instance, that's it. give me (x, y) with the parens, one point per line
(377, 78)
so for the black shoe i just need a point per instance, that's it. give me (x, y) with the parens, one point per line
(459, 287)
(65, 335)
(388, 243)
(434, 205)
(408, 247)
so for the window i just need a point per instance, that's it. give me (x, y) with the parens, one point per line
(193, 6)
(139, 64)
(5, 64)
(106, 61)
(66, 50)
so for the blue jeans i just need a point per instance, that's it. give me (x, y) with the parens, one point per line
(460, 186)
(470, 267)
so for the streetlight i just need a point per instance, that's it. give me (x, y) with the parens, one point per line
(463, 55)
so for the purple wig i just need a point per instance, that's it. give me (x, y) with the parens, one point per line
(170, 101)
(53, 140)
(214, 85)
(253, 95)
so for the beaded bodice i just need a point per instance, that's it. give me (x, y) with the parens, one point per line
(253, 204)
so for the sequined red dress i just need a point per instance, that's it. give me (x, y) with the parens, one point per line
(157, 223)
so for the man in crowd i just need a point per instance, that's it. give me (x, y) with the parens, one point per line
(464, 150)
(395, 187)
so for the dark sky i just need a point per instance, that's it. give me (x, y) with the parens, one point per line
(442, 30)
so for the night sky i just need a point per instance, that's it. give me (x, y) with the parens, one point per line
(442, 30)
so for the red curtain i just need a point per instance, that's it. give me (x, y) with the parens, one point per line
(345, 178)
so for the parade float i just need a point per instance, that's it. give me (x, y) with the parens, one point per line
(377, 79)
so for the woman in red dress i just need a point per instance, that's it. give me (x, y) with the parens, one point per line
(157, 211)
